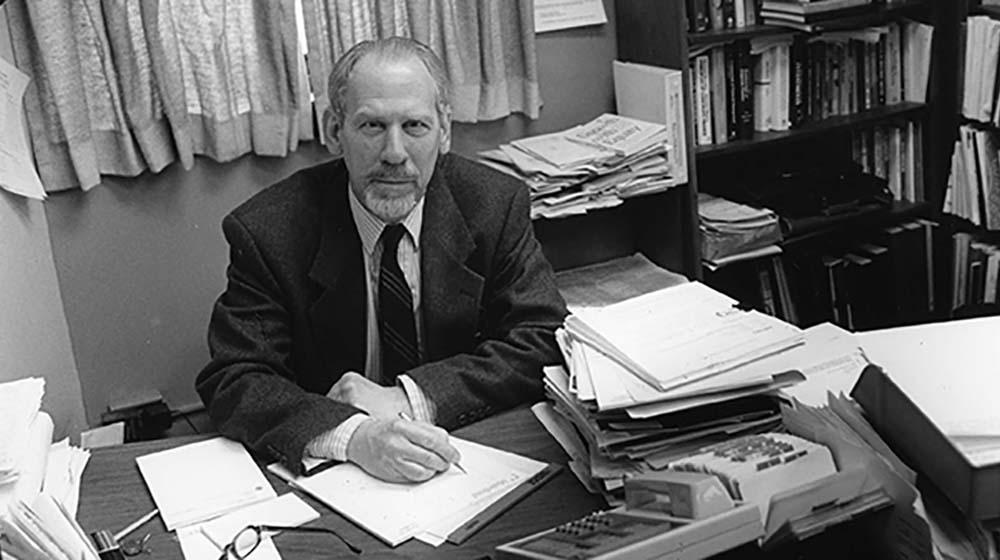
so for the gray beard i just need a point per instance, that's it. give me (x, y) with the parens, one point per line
(390, 210)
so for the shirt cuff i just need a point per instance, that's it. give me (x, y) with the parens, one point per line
(423, 408)
(333, 444)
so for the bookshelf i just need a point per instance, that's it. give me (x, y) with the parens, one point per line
(646, 34)
(973, 242)
(662, 226)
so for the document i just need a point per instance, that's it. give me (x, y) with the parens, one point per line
(17, 168)
(202, 480)
(552, 15)
(395, 512)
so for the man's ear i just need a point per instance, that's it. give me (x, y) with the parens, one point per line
(444, 140)
(331, 132)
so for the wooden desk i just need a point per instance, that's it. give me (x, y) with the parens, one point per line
(113, 494)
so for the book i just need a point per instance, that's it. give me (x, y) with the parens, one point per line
(811, 7)
(655, 94)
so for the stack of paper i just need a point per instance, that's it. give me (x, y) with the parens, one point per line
(430, 510)
(39, 481)
(209, 490)
(653, 376)
(593, 165)
(729, 229)
(679, 335)
(20, 402)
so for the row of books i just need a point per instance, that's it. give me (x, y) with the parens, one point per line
(785, 81)
(982, 54)
(975, 267)
(886, 279)
(974, 184)
(893, 152)
(705, 15)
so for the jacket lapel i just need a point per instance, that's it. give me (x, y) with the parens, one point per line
(450, 291)
(338, 314)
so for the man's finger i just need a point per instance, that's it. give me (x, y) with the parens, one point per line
(433, 439)
(414, 472)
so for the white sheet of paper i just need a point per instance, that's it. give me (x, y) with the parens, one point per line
(396, 512)
(202, 480)
(288, 510)
(17, 168)
(552, 15)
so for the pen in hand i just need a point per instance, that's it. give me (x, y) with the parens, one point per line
(406, 417)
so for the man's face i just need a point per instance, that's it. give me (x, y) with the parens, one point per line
(391, 135)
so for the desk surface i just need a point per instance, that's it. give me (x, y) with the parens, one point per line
(113, 494)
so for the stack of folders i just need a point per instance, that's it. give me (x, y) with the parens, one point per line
(657, 376)
(593, 165)
(731, 231)
(39, 481)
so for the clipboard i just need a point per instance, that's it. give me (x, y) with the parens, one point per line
(483, 518)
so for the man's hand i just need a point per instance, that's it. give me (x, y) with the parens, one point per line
(400, 450)
(379, 402)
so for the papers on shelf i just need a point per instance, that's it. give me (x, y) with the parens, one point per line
(681, 334)
(729, 228)
(202, 480)
(429, 510)
(592, 165)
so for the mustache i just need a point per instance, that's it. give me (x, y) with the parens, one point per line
(384, 174)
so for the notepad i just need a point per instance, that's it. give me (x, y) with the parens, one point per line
(396, 512)
(199, 481)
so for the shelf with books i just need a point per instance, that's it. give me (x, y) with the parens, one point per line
(880, 108)
(904, 110)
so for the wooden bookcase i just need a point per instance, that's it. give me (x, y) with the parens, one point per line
(662, 226)
(656, 32)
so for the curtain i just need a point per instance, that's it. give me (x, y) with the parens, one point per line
(488, 47)
(121, 86)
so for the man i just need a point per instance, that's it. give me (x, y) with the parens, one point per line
(322, 344)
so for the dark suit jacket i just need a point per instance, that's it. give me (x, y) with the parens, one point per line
(292, 318)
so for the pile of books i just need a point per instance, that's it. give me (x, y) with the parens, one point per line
(592, 165)
(807, 14)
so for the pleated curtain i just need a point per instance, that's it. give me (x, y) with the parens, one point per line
(119, 87)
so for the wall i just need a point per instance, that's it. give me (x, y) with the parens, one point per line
(34, 337)
(140, 261)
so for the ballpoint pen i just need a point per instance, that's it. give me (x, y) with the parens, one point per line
(407, 417)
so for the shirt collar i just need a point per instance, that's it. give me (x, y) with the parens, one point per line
(370, 226)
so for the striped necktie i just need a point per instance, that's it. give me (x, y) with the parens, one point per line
(398, 330)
